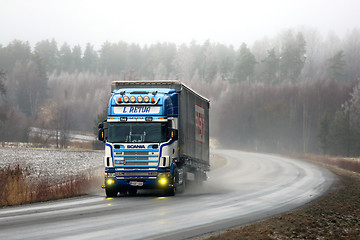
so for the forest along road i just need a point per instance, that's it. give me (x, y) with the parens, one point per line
(247, 187)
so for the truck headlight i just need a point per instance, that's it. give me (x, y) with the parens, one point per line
(110, 181)
(163, 178)
(163, 181)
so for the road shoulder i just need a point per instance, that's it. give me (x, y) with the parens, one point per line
(336, 215)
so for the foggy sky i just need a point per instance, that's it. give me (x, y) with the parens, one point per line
(150, 21)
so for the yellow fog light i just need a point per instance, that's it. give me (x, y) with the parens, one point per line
(162, 181)
(110, 181)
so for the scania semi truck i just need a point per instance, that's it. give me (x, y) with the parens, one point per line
(156, 136)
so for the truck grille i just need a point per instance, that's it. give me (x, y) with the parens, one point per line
(134, 163)
(135, 173)
(136, 153)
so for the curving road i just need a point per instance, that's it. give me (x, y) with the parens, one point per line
(246, 188)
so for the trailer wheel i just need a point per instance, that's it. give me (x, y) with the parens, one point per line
(199, 178)
(180, 188)
(110, 192)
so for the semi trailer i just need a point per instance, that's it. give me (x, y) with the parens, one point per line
(156, 136)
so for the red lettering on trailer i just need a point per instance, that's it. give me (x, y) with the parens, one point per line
(199, 124)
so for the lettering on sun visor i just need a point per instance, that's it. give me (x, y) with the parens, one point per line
(136, 109)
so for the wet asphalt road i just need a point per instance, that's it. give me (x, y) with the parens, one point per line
(246, 188)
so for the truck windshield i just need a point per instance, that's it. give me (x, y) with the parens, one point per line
(137, 132)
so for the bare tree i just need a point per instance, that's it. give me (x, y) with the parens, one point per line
(352, 106)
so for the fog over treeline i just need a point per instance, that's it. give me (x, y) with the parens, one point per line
(295, 92)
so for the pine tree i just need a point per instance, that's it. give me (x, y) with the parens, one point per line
(48, 53)
(270, 67)
(90, 59)
(336, 67)
(2, 82)
(292, 58)
(65, 58)
(245, 64)
(31, 79)
(323, 134)
(341, 135)
(76, 57)
(3, 116)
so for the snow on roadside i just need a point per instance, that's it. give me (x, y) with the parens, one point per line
(56, 164)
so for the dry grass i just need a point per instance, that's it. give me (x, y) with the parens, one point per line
(18, 186)
(350, 164)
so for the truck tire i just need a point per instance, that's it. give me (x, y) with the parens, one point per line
(199, 178)
(110, 192)
(132, 192)
(180, 188)
(171, 191)
(123, 192)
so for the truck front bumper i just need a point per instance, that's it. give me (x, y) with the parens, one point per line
(126, 184)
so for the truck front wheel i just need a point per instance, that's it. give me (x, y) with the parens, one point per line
(171, 191)
(123, 192)
(132, 192)
(111, 192)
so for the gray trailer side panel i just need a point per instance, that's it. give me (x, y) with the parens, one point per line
(194, 130)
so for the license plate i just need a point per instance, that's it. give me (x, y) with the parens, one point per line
(136, 184)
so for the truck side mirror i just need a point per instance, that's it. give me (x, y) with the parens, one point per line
(174, 134)
(101, 134)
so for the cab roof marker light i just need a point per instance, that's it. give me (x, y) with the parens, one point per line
(126, 99)
(132, 99)
(146, 99)
(139, 99)
(152, 100)
(117, 100)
